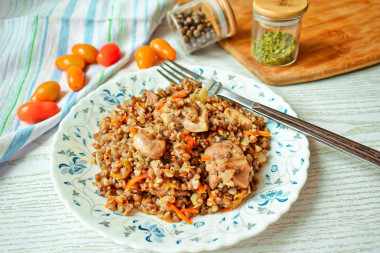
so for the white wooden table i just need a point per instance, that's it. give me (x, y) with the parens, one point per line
(338, 209)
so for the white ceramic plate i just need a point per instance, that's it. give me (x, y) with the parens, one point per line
(281, 179)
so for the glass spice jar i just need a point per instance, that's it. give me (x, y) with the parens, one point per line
(276, 30)
(200, 23)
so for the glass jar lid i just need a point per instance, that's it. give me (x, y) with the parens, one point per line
(280, 9)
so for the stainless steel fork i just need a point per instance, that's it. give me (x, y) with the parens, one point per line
(367, 154)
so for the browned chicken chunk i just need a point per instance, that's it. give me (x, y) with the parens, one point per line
(153, 149)
(233, 114)
(229, 165)
(194, 117)
(200, 124)
(151, 97)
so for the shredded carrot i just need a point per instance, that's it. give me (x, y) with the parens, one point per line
(133, 130)
(158, 107)
(109, 203)
(212, 197)
(207, 158)
(254, 133)
(179, 213)
(190, 141)
(249, 132)
(115, 122)
(119, 120)
(135, 180)
(188, 150)
(99, 127)
(186, 132)
(179, 95)
(263, 133)
(189, 210)
(122, 118)
(225, 210)
(201, 189)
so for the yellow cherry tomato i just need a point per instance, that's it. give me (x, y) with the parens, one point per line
(64, 62)
(47, 91)
(75, 78)
(145, 57)
(86, 51)
(162, 49)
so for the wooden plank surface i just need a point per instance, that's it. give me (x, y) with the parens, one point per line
(337, 210)
(336, 37)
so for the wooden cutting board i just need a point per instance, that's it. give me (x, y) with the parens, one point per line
(337, 37)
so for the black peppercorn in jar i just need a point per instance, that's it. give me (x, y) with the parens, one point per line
(276, 30)
(201, 23)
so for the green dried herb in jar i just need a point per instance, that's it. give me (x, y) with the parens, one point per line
(275, 48)
(276, 29)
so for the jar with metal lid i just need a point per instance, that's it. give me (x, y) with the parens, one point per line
(200, 23)
(276, 30)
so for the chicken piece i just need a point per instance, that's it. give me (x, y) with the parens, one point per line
(190, 109)
(245, 123)
(167, 116)
(180, 93)
(151, 97)
(201, 125)
(229, 165)
(152, 149)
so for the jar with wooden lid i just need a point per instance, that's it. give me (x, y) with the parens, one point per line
(276, 30)
(200, 23)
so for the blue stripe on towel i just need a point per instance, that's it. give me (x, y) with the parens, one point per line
(18, 141)
(89, 33)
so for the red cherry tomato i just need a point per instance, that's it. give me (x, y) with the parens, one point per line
(64, 62)
(36, 111)
(86, 51)
(162, 49)
(47, 91)
(145, 57)
(75, 78)
(108, 54)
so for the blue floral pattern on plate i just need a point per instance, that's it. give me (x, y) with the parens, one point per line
(281, 179)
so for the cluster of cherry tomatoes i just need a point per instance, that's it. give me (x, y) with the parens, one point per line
(145, 56)
(84, 54)
(42, 104)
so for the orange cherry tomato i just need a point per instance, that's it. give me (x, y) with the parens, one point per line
(75, 78)
(47, 91)
(145, 57)
(162, 49)
(36, 111)
(86, 51)
(64, 62)
(108, 54)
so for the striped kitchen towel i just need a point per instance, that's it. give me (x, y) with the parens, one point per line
(35, 32)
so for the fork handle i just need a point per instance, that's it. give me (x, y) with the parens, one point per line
(339, 142)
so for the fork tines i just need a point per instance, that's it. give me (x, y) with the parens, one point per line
(178, 72)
